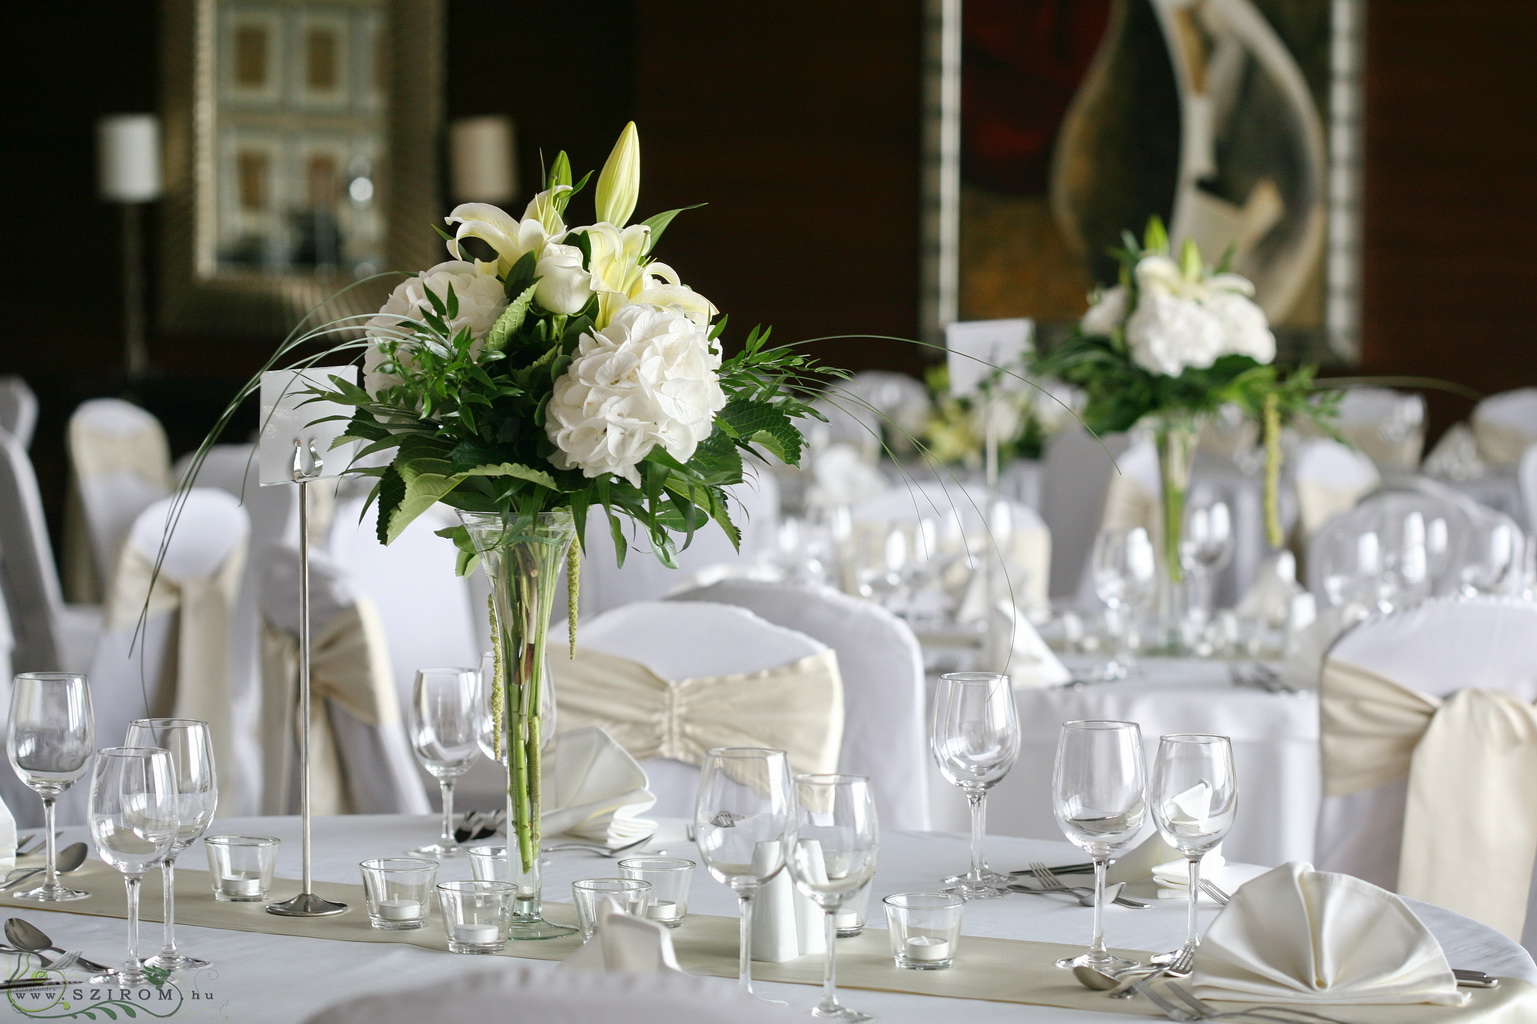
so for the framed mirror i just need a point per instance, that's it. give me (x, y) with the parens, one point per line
(301, 158)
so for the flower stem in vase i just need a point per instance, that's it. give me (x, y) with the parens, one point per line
(1176, 442)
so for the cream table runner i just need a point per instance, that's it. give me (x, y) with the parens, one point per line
(1002, 970)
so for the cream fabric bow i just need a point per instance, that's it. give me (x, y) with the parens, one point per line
(1467, 847)
(796, 707)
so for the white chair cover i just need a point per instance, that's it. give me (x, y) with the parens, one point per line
(558, 997)
(120, 464)
(182, 665)
(361, 760)
(884, 724)
(235, 469)
(1330, 478)
(606, 585)
(1382, 690)
(1505, 424)
(48, 634)
(683, 640)
(1077, 478)
(18, 409)
(1526, 478)
(1387, 426)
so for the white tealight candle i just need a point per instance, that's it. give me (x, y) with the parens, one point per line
(927, 948)
(664, 910)
(846, 917)
(475, 934)
(399, 910)
(241, 885)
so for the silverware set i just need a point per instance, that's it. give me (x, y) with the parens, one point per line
(1049, 884)
(1254, 676)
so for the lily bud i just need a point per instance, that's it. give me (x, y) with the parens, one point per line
(619, 181)
(1190, 261)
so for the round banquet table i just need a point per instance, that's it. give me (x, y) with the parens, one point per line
(1275, 746)
(281, 978)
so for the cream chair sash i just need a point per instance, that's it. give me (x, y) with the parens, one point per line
(1499, 443)
(796, 707)
(115, 446)
(1470, 821)
(1368, 439)
(206, 608)
(1317, 503)
(350, 666)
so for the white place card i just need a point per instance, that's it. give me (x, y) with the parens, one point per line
(289, 414)
(977, 346)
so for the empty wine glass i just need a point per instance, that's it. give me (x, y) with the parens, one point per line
(1493, 557)
(1205, 547)
(1194, 797)
(974, 740)
(832, 858)
(744, 819)
(197, 797)
(49, 739)
(1124, 578)
(133, 820)
(1098, 796)
(446, 722)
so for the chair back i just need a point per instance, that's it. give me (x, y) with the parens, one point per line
(1526, 480)
(18, 409)
(881, 664)
(1330, 478)
(235, 469)
(677, 641)
(1387, 426)
(28, 575)
(1505, 425)
(1077, 476)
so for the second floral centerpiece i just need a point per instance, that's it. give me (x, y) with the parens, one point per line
(547, 380)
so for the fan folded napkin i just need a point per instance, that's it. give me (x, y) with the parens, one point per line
(1012, 645)
(595, 790)
(1302, 936)
(624, 943)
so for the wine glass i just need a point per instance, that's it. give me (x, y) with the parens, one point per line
(744, 819)
(133, 820)
(1194, 796)
(1205, 547)
(832, 858)
(49, 739)
(1098, 796)
(1124, 570)
(197, 796)
(446, 722)
(975, 740)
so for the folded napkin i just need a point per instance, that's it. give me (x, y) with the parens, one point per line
(595, 790)
(1302, 936)
(1456, 455)
(1137, 864)
(625, 943)
(786, 923)
(1269, 597)
(1173, 877)
(1012, 645)
(1155, 860)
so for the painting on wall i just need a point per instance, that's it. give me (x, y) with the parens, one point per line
(1081, 118)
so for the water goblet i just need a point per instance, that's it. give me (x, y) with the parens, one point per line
(446, 724)
(1099, 798)
(197, 796)
(1205, 547)
(1124, 578)
(49, 738)
(833, 856)
(133, 819)
(744, 819)
(1194, 797)
(975, 740)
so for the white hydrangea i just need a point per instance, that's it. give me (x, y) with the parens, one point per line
(1168, 334)
(649, 378)
(1244, 328)
(481, 302)
(1189, 322)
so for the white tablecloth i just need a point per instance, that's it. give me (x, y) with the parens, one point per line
(259, 978)
(1275, 744)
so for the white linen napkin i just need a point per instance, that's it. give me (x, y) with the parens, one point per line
(1302, 936)
(621, 942)
(1012, 645)
(1455, 456)
(1156, 861)
(786, 923)
(596, 790)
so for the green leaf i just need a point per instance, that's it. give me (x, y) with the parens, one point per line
(511, 319)
(764, 425)
(392, 491)
(658, 223)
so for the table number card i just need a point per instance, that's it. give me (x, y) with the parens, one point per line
(288, 414)
(977, 346)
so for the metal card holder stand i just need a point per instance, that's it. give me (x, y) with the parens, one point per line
(307, 903)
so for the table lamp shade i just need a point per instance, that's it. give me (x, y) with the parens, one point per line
(481, 159)
(128, 148)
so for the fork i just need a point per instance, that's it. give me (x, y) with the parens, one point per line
(1206, 1011)
(1215, 891)
(1174, 1011)
(600, 850)
(1179, 967)
(1050, 881)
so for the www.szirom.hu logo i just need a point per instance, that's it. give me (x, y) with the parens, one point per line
(57, 997)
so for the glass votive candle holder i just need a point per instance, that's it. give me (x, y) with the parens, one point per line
(627, 894)
(397, 890)
(850, 918)
(670, 878)
(476, 914)
(925, 928)
(489, 864)
(241, 866)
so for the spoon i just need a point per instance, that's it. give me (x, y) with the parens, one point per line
(27, 936)
(1099, 981)
(69, 859)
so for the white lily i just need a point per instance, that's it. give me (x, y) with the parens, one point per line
(619, 181)
(540, 225)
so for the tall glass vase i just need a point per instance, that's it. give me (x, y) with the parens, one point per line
(1175, 435)
(522, 556)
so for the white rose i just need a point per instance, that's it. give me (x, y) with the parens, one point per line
(1244, 328)
(1106, 315)
(564, 287)
(480, 299)
(1168, 334)
(647, 379)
